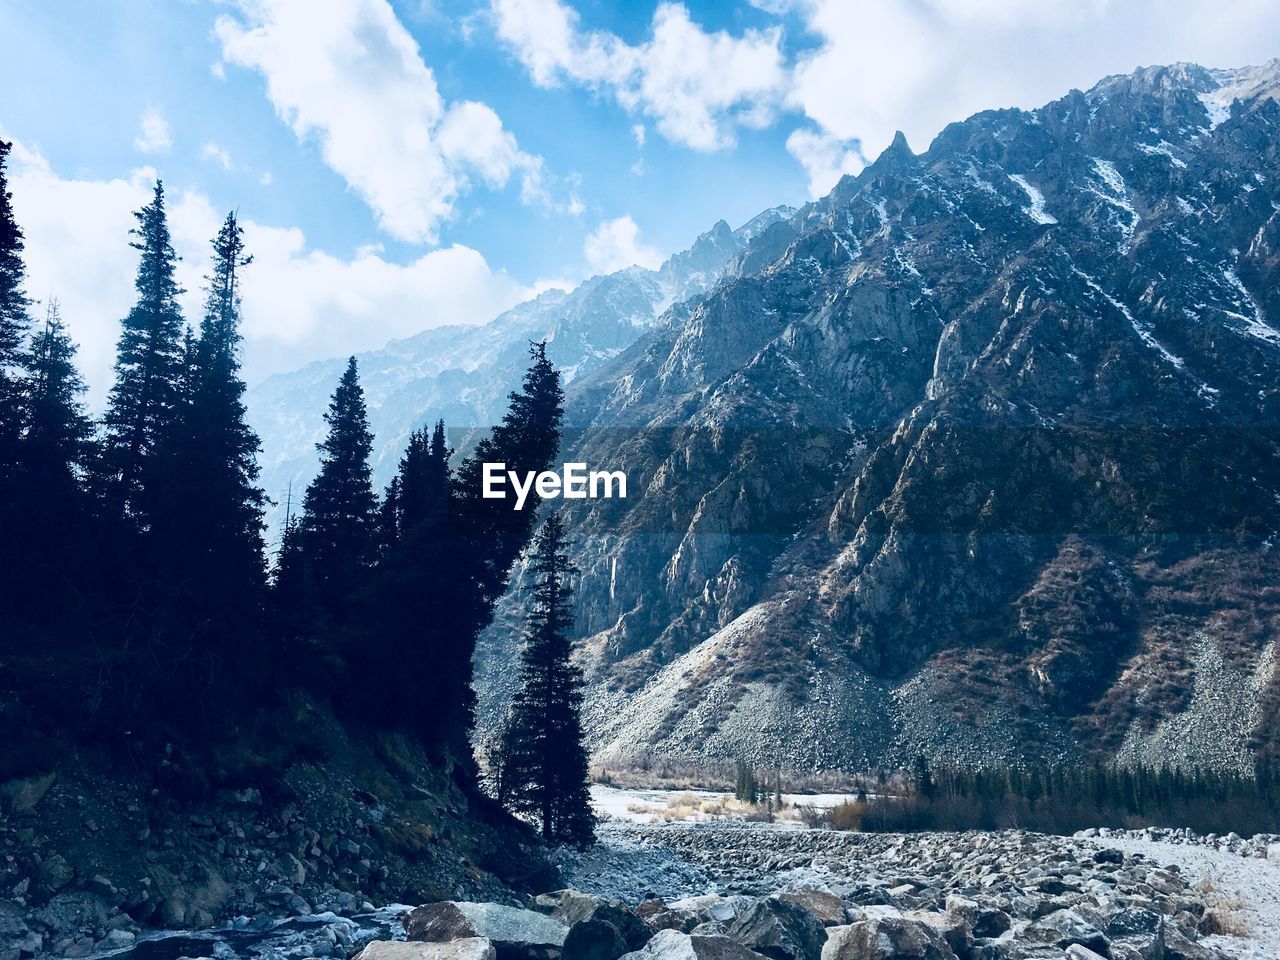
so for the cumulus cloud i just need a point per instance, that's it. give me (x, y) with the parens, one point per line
(825, 158)
(153, 133)
(300, 304)
(696, 86)
(917, 65)
(216, 154)
(348, 73)
(868, 69)
(615, 245)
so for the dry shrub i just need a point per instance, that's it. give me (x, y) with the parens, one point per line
(1223, 914)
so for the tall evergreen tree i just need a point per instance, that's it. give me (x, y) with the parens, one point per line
(487, 536)
(145, 401)
(214, 517)
(57, 431)
(56, 450)
(339, 522)
(14, 320)
(545, 762)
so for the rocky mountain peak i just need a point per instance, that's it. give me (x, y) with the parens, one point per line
(961, 457)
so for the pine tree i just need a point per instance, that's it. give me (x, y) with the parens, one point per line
(57, 431)
(389, 519)
(546, 763)
(56, 450)
(339, 522)
(486, 537)
(145, 401)
(14, 320)
(214, 517)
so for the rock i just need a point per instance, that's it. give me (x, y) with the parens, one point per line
(710, 907)
(886, 938)
(53, 875)
(469, 948)
(673, 945)
(827, 907)
(779, 929)
(1077, 952)
(573, 906)
(516, 934)
(1065, 927)
(1133, 921)
(116, 940)
(955, 929)
(593, 940)
(23, 795)
(1177, 946)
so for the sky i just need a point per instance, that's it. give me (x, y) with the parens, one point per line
(404, 164)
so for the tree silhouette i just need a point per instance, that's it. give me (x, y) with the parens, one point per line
(545, 763)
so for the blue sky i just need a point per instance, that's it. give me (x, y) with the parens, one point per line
(408, 163)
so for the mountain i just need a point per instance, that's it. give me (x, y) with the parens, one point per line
(464, 374)
(976, 457)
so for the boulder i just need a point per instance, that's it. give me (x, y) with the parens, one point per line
(1062, 928)
(710, 907)
(53, 875)
(573, 906)
(779, 929)
(673, 945)
(1178, 946)
(23, 795)
(515, 934)
(1077, 952)
(827, 907)
(886, 938)
(470, 948)
(1134, 921)
(593, 940)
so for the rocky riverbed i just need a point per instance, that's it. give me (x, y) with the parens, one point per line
(742, 891)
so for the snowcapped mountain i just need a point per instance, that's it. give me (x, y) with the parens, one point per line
(977, 456)
(464, 374)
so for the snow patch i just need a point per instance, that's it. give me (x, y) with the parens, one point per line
(1036, 211)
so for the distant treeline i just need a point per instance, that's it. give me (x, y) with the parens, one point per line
(1069, 798)
(138, 604)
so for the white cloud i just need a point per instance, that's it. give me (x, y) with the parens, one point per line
(914, 65)
(696, 86)
(825, 159)
(153, 133)
(615, 245)
(216, 154)
(348, 73)
(300, 304)
(917, 65)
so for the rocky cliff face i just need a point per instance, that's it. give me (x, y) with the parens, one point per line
(464, 374)
(975, 456)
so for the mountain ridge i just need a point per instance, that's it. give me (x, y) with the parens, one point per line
(463, 374)
(967, 458)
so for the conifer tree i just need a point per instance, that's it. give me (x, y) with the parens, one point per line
(215, 516)
(14, 320)
(389, 520)
(339, 522)
(145, 401)
(56, 451)
(57, 431)
(487, 536)
(546, 764)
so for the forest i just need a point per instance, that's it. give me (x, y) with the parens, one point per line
(140, 608)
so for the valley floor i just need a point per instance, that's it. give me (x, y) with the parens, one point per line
(680, 860)
(1023, 887)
